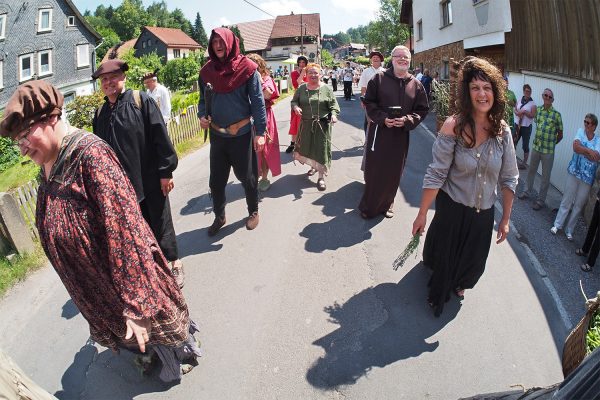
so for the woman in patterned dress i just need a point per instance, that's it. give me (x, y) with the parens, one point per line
(93, 233)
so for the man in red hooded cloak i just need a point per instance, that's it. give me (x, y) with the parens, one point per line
(236, 119)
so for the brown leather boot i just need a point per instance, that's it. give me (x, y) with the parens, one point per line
(216, 225)
(252, 221)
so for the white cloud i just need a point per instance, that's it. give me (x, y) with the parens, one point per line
(283, 7)
(356, 5)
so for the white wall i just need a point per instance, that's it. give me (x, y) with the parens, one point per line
(573, 100)
(182, 52)
(291, 49)
(465, 25)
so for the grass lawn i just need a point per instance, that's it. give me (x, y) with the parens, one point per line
(18, 175)
(185, 148)
(11, 273)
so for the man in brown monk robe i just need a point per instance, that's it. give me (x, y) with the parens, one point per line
(396, 103)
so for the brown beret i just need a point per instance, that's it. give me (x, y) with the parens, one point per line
(376, 53)
(31, 102)
(109, 66)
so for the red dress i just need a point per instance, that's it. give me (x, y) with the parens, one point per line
(271, 149)
(295, 119)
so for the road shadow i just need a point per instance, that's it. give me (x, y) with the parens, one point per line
(198, 242)
(350, 111)
(106, 375)
(346, 228)
(203, 203)
(419, 158)
(378, 327)
(356, 151)
(69, 309)
(289, 184)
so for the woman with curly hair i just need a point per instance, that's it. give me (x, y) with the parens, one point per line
(268, 158)
(472, 155)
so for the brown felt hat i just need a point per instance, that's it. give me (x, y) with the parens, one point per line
(31, 102)
(109, 66)
(376, 53)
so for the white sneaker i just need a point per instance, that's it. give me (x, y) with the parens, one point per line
(569, 237)
(554, 230)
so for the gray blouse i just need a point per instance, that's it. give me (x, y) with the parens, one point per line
(470, 176)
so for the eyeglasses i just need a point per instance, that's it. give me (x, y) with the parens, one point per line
(402, 57)
(548, 96)
(23, 140)
(585, 121)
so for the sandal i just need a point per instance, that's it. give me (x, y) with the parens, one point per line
(587, 268)
(321, 184)
(581, 253)
(459, 292)
(389, 213)
(311, 172)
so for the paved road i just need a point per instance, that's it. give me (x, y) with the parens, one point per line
(307, 306)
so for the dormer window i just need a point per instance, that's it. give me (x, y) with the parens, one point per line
(71, 20)
(45, 20)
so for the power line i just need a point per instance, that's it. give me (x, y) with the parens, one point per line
(258, 8)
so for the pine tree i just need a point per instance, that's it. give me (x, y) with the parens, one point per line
(199, 32)
(237, 33)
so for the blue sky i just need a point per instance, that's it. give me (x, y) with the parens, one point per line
(336, 15)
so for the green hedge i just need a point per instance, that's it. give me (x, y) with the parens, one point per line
(9, 154)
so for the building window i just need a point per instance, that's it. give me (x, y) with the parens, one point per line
(446, 70)
(420, 29)
(2, 26)
(446, 8)
(71, 20)
(143, 45)
(25, 67)
(1, 74)
(45, 20)
(69, 97)
(149, 42)
(83, 55)
(45, 62)
(176, 53)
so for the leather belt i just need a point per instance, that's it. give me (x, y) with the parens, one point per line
(233, 128)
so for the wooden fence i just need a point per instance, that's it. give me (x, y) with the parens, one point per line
(185, 125)
(182, 127)
(26, 197)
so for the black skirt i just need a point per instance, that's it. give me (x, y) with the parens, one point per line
(456, 248)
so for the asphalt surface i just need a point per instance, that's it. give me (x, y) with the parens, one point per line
(308, 305)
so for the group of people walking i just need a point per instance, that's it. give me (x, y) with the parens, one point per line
(103, 211)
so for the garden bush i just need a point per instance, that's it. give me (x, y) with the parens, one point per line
(9, 154)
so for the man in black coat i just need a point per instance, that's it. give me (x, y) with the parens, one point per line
(132, 124)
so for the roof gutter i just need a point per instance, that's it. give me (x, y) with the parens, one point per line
(94, 63)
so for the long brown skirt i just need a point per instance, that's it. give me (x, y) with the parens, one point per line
(384, 164)
(456, 248)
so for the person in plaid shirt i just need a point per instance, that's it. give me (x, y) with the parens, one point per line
(548, 133)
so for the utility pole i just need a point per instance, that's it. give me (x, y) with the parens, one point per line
(301, 36)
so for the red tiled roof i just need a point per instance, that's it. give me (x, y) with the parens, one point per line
(173, 37)
(121, 50)
(256, 34)
(289, 25)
